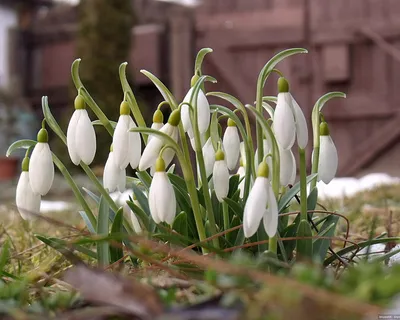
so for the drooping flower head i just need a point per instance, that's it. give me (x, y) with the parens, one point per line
(203, 113)
(209, 156)
(81, 138)
(231, 143)
(220, 176)
(41, 167)
(261, 204)
(153, 148)
(114, 178)
(328, 157)
(27, 201)
(158, 122)
(289, 120)
(162, 202)
(127, 145)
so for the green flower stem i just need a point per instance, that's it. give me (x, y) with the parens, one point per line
(225, 213)
(303, 185)
(137, 114)
(88, 99)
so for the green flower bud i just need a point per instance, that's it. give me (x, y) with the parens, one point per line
(25, 164)
(283, 85)
(124, 108)
(174, 118)
(231, 123)
(42, 136)
(219, 155)
(79, 102)
(323, 129)
(158, 116)
(263, 170)
(194, 80)
(160, 165)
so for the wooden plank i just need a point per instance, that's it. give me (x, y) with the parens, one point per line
(336, 62)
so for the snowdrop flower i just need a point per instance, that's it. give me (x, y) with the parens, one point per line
(289, 120)
(127, 145)
(27, 201)
(41, 167)
(288, 167)
(328, 157)
(220, 176)
(261, 196)
(153, 148)
(241, 172)
(135, 222)
(209, 156)
(114, 178)
(231, 143)
(158, 122)
(203, 113)
(193, 142)
(81, 138)
(162, 202)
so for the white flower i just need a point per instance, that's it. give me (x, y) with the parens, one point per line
(155, 126)
(231, 142)
(209, 157)
(27, 201)
(114, 178)
(220, 176)
(328, 157)
(193, 141)
(162, 202)
(81, 138)
(288, 167)
(289, 120)
(241, 172)
(127, 145)
(261, 196)
(203, 112)
(41, 167)
(158, 122)
(135, 222)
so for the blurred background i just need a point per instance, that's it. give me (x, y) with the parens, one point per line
(354, 47)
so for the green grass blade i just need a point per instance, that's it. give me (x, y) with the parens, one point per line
(103, 248)
(116, 252)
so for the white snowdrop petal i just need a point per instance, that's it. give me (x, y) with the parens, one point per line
(301, 125)
(85, 138)
(284, 123)
(287, 164)
(209, 156)
(294, 171)
(255, 206)
(271, 214)
(121, 180)
(134, 146)
(112, 174)
(71, 131)
(231, 142)
(221, 180)
(155, 126)
(203, 112)
(153, 200)
(121, 141)
(162, 201)
(26, 200)
(135, 222)
(241, 172)
(328, 159)
(41, 169)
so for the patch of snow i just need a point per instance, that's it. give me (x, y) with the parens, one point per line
(54, 206)
(121, 198)
(345, 187)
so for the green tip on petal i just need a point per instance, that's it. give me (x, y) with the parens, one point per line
(160, 165)
(231, 123)
(124, 108)
(219, 155)
(283, 85)
(194, 80)
(263, 170)
(43, 136)
(158, 116)
(25, 164)
(79, 102)
(174, 118)
(323, 129)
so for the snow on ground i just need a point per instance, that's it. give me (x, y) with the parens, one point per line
(345, 187)
(54, 206)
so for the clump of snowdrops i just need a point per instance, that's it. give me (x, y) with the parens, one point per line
(237, 193)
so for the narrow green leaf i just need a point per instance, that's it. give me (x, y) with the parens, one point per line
(51, 121)
(180, 224)
(199, 59)
(63, 246)
(4, 256)
(312, 199)
(142, 199)
(20, 144)
(103, 248)
(214, 132)
(141, 215)
(145, 178)
(116, 252)
(167, 95)
(304, 247)
(233, 185)
(321, 246)
(87, 222)
(99, 123)
(235, 207)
